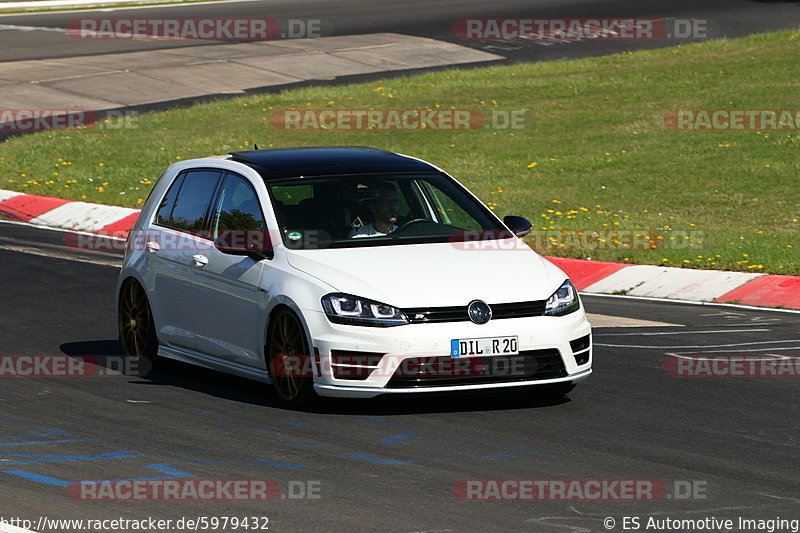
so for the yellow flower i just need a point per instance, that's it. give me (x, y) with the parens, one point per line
(529, 166)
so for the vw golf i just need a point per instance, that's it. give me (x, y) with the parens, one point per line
(350, 272)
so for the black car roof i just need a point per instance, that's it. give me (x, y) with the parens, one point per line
(280, 163)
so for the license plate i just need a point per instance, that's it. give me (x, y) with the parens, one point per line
(484, 346)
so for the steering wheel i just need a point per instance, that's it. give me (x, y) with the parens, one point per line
(411, 222)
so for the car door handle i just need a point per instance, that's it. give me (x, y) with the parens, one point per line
(200, 260)
(152, 246)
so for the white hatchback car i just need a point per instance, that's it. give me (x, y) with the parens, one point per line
(344, 272)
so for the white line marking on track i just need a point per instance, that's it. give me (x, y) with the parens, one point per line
(761, 357)
(680, 332)
(739, 350)
(13, 27)
(689, 302)
(49, 253)
(609, 321)
(695, 346)
(62, 230)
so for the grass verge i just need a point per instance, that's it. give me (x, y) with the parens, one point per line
(593, 157)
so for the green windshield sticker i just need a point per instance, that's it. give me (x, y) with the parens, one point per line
(295, 236)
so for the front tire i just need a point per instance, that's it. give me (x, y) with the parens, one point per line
(137, 331)
(288, 358)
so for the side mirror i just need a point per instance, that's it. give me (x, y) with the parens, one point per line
(252, 243)
(520, 226)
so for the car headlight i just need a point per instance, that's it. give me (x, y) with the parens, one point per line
(564, 301)
(347, 309)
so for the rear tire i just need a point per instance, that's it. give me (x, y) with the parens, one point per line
(137, 331)
(288, 358)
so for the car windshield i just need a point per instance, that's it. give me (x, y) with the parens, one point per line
(378, 210)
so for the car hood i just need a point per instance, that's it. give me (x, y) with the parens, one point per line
(441, 274)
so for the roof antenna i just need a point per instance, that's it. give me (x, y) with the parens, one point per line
(255, 146)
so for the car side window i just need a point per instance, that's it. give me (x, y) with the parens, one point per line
(194, 199)
(164, 212)
(237, 207)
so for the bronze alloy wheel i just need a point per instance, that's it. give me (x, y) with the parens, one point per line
(288, 359)
(137, 332)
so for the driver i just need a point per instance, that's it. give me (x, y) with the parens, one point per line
(384, 213)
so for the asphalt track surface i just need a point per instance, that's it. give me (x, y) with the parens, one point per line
(389, 464)
(32, 36)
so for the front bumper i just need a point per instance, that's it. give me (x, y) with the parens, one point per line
(386, 349)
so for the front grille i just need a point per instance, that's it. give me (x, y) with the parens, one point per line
(443, 371)
(424, 315)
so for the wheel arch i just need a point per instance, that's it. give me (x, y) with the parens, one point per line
(281, 303)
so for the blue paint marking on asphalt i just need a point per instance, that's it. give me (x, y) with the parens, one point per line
(43, 442)
(376, 420)
(406, 437)
(183, 453)
(49, 458)
(371, 459)
(292, 425)
(49, 432)
(301, 445)
(167, 468)
(215, 411)
(277, 463)
(39, 478)
(163, 468)
(11, 419)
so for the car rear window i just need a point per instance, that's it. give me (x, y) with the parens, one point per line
(193, 199)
